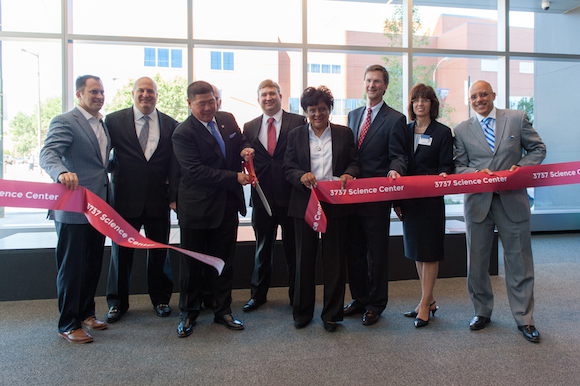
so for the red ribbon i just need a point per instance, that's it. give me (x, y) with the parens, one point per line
(100, 215)
(387, 189)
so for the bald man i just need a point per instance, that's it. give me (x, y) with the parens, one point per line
(145, 177)
(490, 141)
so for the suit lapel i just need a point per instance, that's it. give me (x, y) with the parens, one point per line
(500, 127)
(256, 137)
(357, 116)
(129, 126)
(86, 126)
(205, 135)
(335, 147)
(476, 129)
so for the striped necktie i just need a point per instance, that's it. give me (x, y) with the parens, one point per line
(489, 133)
(365, 127)
(144, 133)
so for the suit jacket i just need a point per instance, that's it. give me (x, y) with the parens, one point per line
(435, 158)
(382, 150)
(72, 146)
(516, 143)
(139, 184)
(206, 175)
(269, 168)
(297, 163)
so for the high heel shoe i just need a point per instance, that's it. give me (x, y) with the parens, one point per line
(433, 310)
(421, 323)
(411, 314)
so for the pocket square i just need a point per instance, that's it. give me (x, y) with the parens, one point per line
(232, 135)
(511, 137)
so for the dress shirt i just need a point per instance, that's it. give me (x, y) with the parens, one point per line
(98, 129)
(321, 154)
(263, 135)
(374, 111)
(154, 131)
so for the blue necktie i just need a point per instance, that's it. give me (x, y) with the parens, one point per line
(489, 133)
(217, 136)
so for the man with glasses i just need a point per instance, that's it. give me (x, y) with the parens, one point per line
(494, 140)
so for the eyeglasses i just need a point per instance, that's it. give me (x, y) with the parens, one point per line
(482, 95)
(314, 110)
(416, 101)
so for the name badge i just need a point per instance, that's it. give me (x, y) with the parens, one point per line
(425, 140)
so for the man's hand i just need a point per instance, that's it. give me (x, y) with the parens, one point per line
(442, 174)
(243, 178)
(514, 167)
(247, 153)
(394, 174)
(70, 180)
(309, 180)
(173, 205)
(486, 170)
(344, 178)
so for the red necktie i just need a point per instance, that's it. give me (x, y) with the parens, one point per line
(365, 127)
(271, 136)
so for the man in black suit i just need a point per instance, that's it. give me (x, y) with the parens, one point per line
(145, 176)
(209, 147)
(380, 135)
(268, 135)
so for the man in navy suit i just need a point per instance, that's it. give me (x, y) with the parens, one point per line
(268, 135)
(209, 147)
(379, 132)
(76, 153)
(145, 177)
(497, 139)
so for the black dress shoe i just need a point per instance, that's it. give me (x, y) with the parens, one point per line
(185, 327)
(229, 321)
(370, 318)
(350, 309)
(209, 303)
(478, 322)
(162, 310)
(114, 314)
(330, 326)
(302, 323)
(253, 304)
(530, 333)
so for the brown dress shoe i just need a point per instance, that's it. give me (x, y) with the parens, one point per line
(76, 336)
(351, 309)
(370, 317)
(93, 323)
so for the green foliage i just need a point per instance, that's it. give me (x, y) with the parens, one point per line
(393, 30)
(527, 105)
(24, 128)
(172, 97)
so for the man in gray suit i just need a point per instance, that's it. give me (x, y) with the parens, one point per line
(76, 153)
(498, 140)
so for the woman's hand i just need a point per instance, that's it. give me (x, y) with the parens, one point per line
(309, 180)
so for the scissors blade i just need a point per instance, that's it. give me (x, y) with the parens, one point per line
(263, 198)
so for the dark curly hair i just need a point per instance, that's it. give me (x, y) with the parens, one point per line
(425, 92)
(312, 96)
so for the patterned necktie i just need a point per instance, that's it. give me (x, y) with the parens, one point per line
(218, 137)
(489, 133)
(102, 140)
(271, 136)
(144, 134)
(365, 127)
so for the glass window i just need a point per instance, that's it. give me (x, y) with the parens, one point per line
(294, 105)
(488, 65)
(229, 61)
(326, 69)
(141, 18)
(31, 15)
(315, 68)
(527, 67)
(216, 60)
(335, 69)
(150, 57)
(163, 57)
(176, 59)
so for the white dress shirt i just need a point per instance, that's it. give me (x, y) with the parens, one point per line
(263, 134)
(154, 130)
(321, 154)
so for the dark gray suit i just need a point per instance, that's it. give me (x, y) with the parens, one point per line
(72, 146)
(509, 210)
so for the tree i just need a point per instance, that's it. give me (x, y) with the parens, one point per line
(24, 128)
(172, 97)
(393, 30)
(527, 105)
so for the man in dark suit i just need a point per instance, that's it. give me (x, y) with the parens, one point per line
(498, 140)
(75, 153)
(268, 135)
(145, 177)
(209, 147)
(379, 132)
